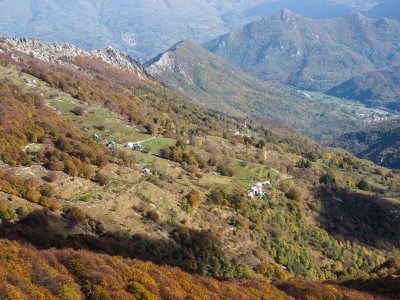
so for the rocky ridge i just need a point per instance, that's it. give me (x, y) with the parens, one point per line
(61, 53)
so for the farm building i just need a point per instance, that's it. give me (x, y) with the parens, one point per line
(257, 189)
(134, 146)
(146, 171)
(110, 144)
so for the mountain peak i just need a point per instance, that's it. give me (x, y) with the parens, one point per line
(286, 11)
(286, 16)
(183, 43)
(357, 17)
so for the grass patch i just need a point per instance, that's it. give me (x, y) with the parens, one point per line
(153, 146)
(97, 120)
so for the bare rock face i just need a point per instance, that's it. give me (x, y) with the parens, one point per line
(47, 52)
(62, 53)
(164, 63)
(118, 59)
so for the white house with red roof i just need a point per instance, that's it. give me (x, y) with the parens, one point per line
(257, 189)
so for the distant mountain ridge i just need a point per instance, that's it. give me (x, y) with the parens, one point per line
(310, 53)
(209, 80)
(144, 28)
(388, 8)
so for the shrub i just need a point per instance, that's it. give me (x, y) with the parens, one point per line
(139, 291)
(78, 110)
(303, 163)
(193, 198)
(47, 190)
(45, 201)
(54, 164)
(6, 212)
(99, 294)
(22, 211)
(51, 177)
(225, 168)
(75, 215)
(364, 185)
(101, 161)
(152, 215)
(284, 185)
(101, 179)
(68, 293)
(193, 171)
(294, 193)
(313, 156)
(328, 179)
(218, 196)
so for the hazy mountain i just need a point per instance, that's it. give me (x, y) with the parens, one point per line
(388, 8)
(144, 28)
(211, 81)
(310, 53)
(376, 89)
(308, 8)
(140, 28)
(379, 143)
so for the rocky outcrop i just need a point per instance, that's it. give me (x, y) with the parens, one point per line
(64, 53)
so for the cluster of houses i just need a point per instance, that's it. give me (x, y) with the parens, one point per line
(255, 191)
(377, 119)
(258, 189)
(242, 128)
(29, 82)
(137, 146)
(368, 119)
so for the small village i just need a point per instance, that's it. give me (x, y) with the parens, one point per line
(257, 190)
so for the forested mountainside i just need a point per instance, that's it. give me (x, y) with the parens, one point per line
(376, 89)
(102, 157)
(211, 81)
(378, 143)
(309, 53)
(70, 274)
(97, 24)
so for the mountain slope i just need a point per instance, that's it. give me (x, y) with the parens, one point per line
(376, 89)
(120, 23)
(211, 81)
(70, 274)
(310, 53)
(379, 143)
(181, 198)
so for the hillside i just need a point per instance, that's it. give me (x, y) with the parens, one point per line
(210, 81)
(378, 143)
(121, 23)
(376, 89)
(309, 53)
(264, 204)
(69, 274)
